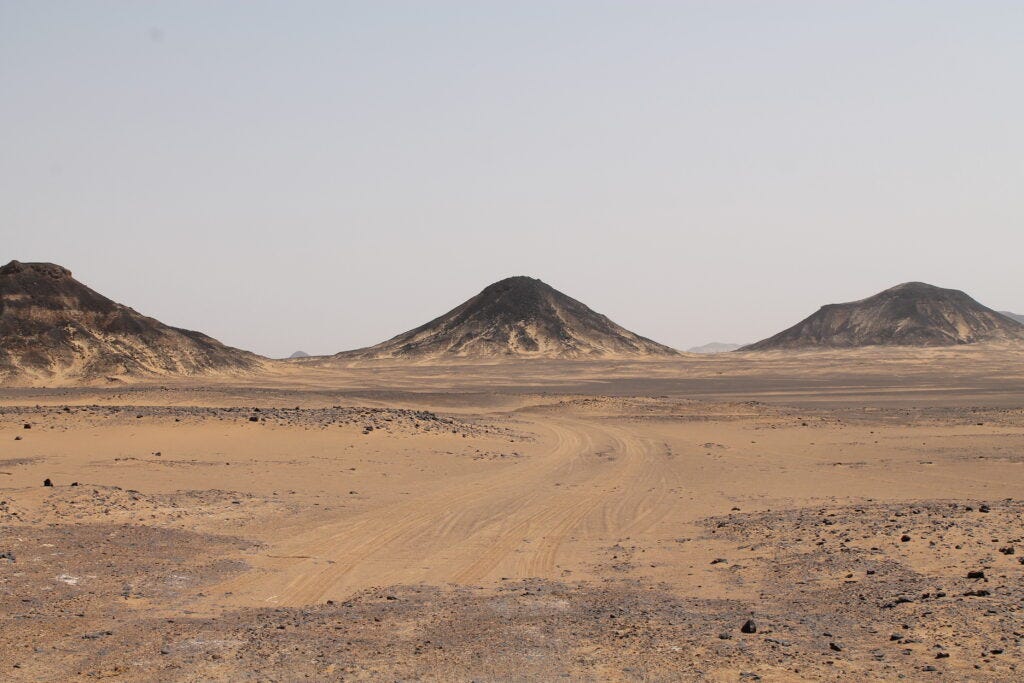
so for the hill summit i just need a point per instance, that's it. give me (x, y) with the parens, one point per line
(910, 314)
(53, 327)
(516, 317)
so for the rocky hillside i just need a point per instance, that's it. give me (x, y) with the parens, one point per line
(516, 317)
(911, 314)
(54, 328)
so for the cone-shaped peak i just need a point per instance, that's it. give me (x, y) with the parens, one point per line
(517, 317)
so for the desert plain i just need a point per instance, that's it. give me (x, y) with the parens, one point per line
(827, 515)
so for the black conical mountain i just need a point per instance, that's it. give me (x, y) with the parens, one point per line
(517, 317)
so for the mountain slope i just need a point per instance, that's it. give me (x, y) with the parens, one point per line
(1013, 316)
(53, 327)
(516, 317)
(911, 314)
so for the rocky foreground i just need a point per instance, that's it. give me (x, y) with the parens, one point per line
(869, 591)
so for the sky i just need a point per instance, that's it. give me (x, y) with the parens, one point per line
(324, 175)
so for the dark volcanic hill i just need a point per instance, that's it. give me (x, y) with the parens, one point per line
(53, 327)
(911, 314)
(1013, 316)
(516, 317)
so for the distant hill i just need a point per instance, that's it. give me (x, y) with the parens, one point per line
(517, 317)
(299, 354)
(1013, 316)
(911, 314)
(714, 347)
(53, 327)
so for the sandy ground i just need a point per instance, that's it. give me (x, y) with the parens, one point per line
(523, 521)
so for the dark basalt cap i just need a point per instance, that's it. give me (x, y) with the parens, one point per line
(44, 269)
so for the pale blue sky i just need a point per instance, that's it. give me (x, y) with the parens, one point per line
(323, 175)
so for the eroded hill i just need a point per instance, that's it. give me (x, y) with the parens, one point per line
(54, 328)
(910, 314)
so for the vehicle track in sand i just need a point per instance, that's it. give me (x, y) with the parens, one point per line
(594, 482)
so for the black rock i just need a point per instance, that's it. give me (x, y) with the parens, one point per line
(47, 482)
(984, 508)
(904, 538)
(835, 647)
(27, 426)
(97, 635)
(976, 574)
(749, 627)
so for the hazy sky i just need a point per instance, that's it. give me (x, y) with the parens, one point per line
(323, 175)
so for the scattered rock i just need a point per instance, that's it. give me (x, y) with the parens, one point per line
(97, 635)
